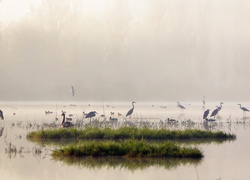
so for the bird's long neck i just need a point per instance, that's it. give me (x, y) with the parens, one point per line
(133, 105)
(63, 118)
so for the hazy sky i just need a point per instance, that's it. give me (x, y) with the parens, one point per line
(124, 50)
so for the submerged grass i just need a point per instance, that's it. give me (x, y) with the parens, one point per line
(128, 148)
(128, 133)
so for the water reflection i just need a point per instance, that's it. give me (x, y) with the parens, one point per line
(131, 164)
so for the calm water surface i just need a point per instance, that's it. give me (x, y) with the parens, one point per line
(227, 160)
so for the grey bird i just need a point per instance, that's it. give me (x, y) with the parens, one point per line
(243, 109)
(1, 115)
(91, 114)
(206, 113)
(219, 108)
(180, 106)
(215, 112)
(131, 110)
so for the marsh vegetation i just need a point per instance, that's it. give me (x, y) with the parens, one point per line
(127, 133)
(129, 148)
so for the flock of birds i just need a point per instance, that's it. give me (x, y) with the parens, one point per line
(66, 121)
(90, 115)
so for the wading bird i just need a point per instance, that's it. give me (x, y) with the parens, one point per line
(66, 124)
(219, 108)
(91, 114)
(243, 109)
(214, 113)
(206, 113)
(72, 90)
(1, 115)
(131, 110)
(1, 131)
(180, 106)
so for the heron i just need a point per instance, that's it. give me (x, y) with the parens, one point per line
(206, 113)
(180, 106)
(214, 113)
(72, 90)
(219, 108)
(91, 114)
(131, 110)
(1, 115)
(1, 131)
(66, 124)
(243, 109)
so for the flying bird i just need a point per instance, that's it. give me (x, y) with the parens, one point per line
(131, 110)
(206, 113)
(243, 109)
(1, 115)
(72, 90)
(180, 106)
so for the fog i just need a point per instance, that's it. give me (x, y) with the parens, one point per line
(143, 50)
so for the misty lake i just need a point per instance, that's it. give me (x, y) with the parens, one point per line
(222, 160)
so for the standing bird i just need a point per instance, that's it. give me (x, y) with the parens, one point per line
(214, 113)
(91, 114)
(180, 106)
(72, 90)
(1, 115)
(243, 109)
(131, 110)
(219, 108)
(206, 113)
(1, 131)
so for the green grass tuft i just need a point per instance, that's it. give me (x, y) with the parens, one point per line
(128, 148)
(128, 133)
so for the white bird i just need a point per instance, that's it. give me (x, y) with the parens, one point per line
(72, 90)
